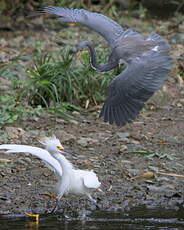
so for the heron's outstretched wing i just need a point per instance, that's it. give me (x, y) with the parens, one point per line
(134, 86)
(103, 25)
(35, 151)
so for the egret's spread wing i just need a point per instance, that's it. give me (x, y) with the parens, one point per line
(103, 25)
(90, 180)
(35, 151)
(134, 86)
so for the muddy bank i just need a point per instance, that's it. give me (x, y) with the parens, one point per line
(153, 143)
(132, 162)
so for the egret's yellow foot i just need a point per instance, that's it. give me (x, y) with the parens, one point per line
(34, 215)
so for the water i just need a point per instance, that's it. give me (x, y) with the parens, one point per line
(138, 218)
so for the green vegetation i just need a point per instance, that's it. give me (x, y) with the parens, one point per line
(55, 84)
(11, 110)
(55, 80)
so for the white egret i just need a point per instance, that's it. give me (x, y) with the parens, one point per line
(70, 180)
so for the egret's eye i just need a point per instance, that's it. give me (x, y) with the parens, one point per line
(60, 147)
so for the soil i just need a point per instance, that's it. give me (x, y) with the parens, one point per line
(141, 163)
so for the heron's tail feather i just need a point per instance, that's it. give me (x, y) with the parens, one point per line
(132, 33)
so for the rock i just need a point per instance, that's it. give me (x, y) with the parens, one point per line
(76, 113)
(154, 188)
(123, 148)
(85, 141)
(152, 168)
(181, 100)
(160, 189)
(133, 172)
(64, 136)
(74, 122)
(123, 135)
(61, 121)
(14, 132)
(126, 162)
(4, 57)
(163, 179)
(179, 105)
(178, 38)
(17, 41)
(134, 142)
(36, 133)
(3, 43)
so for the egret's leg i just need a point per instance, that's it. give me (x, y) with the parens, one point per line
(57, 202)
(34, 215)
(55, 206)
(93, 201)
(59, 196)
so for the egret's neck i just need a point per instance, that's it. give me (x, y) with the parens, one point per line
(65, 164)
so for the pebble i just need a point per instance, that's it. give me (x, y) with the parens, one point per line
(152, 168)
(75, 113)
(123, 135)
(133, 172)
(163, 179)
(3, 43)
(123, 148)
(74, 122)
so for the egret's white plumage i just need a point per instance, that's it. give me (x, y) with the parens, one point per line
(43, 154)
(74, 181)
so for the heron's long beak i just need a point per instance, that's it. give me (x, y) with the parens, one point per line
(75, 51)
(79, 52)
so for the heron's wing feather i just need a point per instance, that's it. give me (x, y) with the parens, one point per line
(103, 25)
(128, 92)
(132, 33)
(35, 151)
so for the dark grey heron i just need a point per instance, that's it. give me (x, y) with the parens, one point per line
(147, 59)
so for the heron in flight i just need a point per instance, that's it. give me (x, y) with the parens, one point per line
(70, 180)
(147, 61)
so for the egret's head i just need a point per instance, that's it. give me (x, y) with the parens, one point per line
(52, 144)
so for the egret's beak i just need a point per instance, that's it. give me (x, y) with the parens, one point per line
(60, 147)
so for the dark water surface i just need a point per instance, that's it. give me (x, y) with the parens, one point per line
(137, 218)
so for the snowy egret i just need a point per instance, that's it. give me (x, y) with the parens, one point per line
(70, 180)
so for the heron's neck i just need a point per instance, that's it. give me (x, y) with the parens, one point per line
(65, 164)
(99, 67)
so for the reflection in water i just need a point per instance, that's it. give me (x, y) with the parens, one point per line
(137, 218)
(32, 225)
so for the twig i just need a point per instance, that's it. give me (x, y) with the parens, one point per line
(171, 174)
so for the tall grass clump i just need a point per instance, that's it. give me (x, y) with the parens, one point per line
(59, 82)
